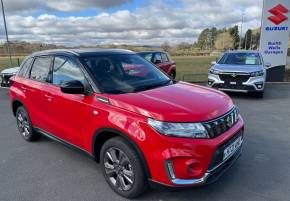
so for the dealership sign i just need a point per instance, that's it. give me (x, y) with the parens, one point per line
(275, 31)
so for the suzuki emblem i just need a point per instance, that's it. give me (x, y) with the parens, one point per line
(278, 14)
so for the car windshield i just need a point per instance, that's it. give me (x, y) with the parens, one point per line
(125, 73)
(241, 59)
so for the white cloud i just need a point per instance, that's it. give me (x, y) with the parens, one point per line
(150, 25)
(59, 5)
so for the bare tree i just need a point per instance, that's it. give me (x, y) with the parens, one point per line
(165, 46)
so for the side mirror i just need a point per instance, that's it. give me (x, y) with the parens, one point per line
(213, 63)
(72, 87)
(157, 61)
(268, 64)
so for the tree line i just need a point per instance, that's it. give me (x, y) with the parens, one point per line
(227, 38)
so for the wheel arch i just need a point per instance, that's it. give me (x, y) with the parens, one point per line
(16, 103)
(104, 134)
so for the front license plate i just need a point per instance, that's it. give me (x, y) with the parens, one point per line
(232, 148)
(233, 83)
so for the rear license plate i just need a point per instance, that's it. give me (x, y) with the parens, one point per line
(232, 148)
(233, 83)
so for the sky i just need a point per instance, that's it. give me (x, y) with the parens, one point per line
(132, 22)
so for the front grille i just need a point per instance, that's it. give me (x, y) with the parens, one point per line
(6, 76)
(222, 124)
(234, 77)
(231, 86)
(4, 81)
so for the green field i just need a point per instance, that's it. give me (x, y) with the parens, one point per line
(5, 63)
(188, 67)
(193, 68)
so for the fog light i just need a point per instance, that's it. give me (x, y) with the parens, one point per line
(193, 167)
(259, 85)
(210, 82)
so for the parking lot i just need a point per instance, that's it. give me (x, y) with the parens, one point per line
(46, 170)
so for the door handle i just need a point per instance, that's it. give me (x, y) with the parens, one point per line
(48, 97)
(24, 89)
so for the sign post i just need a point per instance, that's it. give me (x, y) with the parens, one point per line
(6, 33)
(274, 37)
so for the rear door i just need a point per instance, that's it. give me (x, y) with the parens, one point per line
(33, 87)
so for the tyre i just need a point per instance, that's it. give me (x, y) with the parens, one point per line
(122, 168)
(24, 125)
(172, 74)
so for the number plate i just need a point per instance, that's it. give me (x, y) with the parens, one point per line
(233, 83)
(232, 148)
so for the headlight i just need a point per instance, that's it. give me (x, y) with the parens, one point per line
(188, 130)
(257, 74)
(213, 71)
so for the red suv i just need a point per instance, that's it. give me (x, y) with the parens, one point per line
(143, 129)
(162, 60)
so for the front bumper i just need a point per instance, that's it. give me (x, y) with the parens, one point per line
(253, 84)
(194, 162)
(214, 173)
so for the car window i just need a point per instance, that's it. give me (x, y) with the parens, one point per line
(168, 56)
(147, 56)
(24, 67)
(40, 69)
(164, 57)
(241, 59)
(65, 70)
(157, 57)
(124, 73)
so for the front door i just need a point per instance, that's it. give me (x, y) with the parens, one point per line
(157, 60)
(69, 112)
(166, 63)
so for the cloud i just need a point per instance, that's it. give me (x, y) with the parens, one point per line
(60, 5)
(151, 25)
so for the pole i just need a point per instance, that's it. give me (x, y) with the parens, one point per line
(246, 41)
(6, 32)
(241, 35)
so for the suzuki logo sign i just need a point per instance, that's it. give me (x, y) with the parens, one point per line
(275, 35)
(278, 14)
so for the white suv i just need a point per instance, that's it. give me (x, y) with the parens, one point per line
(239, 71)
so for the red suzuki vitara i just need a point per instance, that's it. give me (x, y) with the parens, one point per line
(143, 128)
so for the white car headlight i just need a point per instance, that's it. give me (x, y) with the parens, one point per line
(188, 130)
(213, 71)
(257, 74)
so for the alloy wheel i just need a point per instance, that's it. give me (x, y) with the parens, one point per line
(118, 169)
(23, 124)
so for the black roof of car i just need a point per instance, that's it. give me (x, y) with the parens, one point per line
(83, 52)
